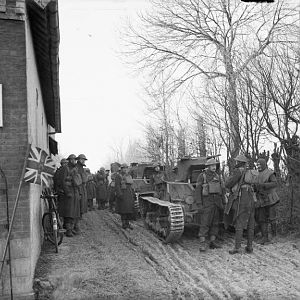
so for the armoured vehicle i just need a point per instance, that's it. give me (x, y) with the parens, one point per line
(176, 209)
(141, 174)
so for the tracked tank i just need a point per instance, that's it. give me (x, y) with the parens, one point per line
(141, 173)
(168, 214)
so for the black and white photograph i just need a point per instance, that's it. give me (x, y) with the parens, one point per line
(149, 149)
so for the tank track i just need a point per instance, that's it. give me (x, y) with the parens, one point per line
(164, 218)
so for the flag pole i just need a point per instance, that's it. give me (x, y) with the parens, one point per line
(15, 207)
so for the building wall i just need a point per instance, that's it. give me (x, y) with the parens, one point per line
(13, 145)
(24, 122)
(38, 136)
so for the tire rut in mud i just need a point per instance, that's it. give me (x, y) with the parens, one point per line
(271, 271)
(108, 262)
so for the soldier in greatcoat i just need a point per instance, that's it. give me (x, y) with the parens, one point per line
(267, 198)
(242, 202)
(125, 197)
(208, 197)
(57, 175)
(90, 189)
(69, 199)
(112, 193)
(81, 159)
(101, 188)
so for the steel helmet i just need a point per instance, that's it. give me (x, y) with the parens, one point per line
(102, 169)
(242, 158)
(262, 162)
(81, 156)
(210, 162)
(71, 156)
(123, 166)
(63, 161)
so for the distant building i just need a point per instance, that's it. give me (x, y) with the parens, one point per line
(29, 113)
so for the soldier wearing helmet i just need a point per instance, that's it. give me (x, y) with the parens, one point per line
(241, 203)
(81, 159)
(125, 197)
(101, 188)
(267, 198)
(57, 174)
(90, 189)
(69, 198)
(157, 181)
(208, 197)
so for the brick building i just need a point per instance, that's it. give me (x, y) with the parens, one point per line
(29, 113)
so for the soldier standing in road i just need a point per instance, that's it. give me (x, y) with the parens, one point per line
(112, 193)
(125, 197)
(101, 188)
(242, 202)
(81, 159)
(90, 189)
(267, 197)
(208, 196)
(69, 201)
(58, 172)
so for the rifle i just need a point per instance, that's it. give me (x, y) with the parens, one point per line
(235, 195)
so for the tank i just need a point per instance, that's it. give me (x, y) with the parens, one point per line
(169, 215)
(141, 173)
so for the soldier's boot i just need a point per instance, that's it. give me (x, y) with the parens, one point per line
(264, 231)
(69, 232)
(274, 229)
(76, 229)
(221, 233)
(213, 244)
(129, 225)
(90, 204)
(124, 224)
(250, 236)
(238, 241)
(203, 245)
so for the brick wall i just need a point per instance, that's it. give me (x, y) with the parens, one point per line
(13, 143)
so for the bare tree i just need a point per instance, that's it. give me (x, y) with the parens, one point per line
(135, 152)
(190, 40)
(279, 78)
(117, 152)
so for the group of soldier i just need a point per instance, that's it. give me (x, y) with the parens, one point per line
(79, 191)
(245, 198)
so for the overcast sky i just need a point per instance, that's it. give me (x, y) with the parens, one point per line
(100, 106)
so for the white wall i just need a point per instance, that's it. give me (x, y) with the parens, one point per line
(38, 136)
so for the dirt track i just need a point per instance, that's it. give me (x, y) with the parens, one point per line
(107, 262)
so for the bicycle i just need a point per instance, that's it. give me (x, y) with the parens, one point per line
(52, 225)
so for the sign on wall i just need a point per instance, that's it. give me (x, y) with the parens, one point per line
(1, 107)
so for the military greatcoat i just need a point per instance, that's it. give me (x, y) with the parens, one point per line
(124, 194)
(82, 189)
(244, 205)
(69, 199)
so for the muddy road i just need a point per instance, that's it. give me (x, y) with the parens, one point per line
(107, 262)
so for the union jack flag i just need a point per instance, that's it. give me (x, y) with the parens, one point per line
(40, 167)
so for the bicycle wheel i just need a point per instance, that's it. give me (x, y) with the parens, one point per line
(54, 236)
